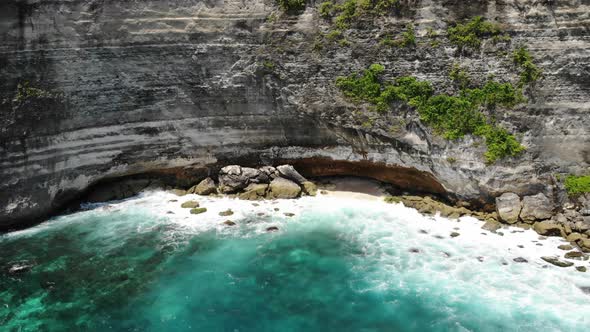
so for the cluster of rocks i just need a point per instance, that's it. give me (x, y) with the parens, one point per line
(257, 183)
(537, 211)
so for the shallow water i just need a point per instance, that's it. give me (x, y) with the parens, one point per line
(336, 265)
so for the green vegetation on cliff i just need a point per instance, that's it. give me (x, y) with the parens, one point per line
(469, 35)
(576, 185)
(452, 116)
(530, 73)
(346, 12)
(291, 5)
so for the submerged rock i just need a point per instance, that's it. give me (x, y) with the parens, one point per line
(205, 187)
(491, 226)
(283, 188)
(508, 206)
(229, 223)
(289, 214)
(198, 210)
(226, 213)
(20, 267)
(520, 260)
(581, 268)
(178, 192)
(555, 261)
(190, 205)
(455, 234)
(272, 229)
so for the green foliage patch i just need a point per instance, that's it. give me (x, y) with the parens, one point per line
(576, 185)
(469, 35)
(291, 5)
(452, 116)
(530, 73)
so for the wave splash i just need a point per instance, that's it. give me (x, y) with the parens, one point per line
(334, 264)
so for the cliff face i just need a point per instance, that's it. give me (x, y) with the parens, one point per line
(181, 87)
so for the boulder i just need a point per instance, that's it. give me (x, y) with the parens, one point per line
(548, 229)
(576, 255)
(289, 172)
(254, 191)
(537, 207)
(565, 247)
(190, 205)
(198, 210)
(179, 192)
(229, 223)
(555, 261)
(508, 207)
(573, 237)
(283, 188)
(584, 244)
(231, 179)
(255, 175)
(581, 268)
(309, 188)
(491, 226)
(269, 171)
(226, 213)
(205, 187)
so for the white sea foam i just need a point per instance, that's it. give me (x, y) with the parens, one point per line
(477, 263)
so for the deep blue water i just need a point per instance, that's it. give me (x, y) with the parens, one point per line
(336, 268)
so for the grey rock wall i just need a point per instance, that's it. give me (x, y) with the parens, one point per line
(186, 86)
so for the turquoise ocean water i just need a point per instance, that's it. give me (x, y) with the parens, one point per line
(336, 265)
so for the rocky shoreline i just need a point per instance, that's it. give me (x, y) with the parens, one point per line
(537, 212)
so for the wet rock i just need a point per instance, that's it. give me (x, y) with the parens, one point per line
(536, 207)
(520, 260)
(323, 192)
(254, 191)
(565, 247)
(170, 212)
(555, 261)
(229, 223)
(272, 229)
(440, 237)
(276, 209)
(508, 206)
(190, 205)
(422, 231)
(205, 187)
(172, 201)
(576, 255)
(226, 213)
(309, 188)
(198, 210)
(289, 172)
(261, 214)
(548, 229)
(288, 214)
(480, 258)
(491, 226)
(283, 188)
(581, 268)
(414, 250)
(455, 234)
(584, 289)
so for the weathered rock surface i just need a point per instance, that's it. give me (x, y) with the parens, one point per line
(548, 229)
(508, 206)
(555, 261)
(289, 172)
(283, 188)
(190, 205)
(536, 207)
(210, 102)
(205, 187)
(254, 192)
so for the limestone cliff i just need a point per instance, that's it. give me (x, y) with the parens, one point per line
(178, 88)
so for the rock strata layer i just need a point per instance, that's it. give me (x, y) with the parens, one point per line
(177, 89)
